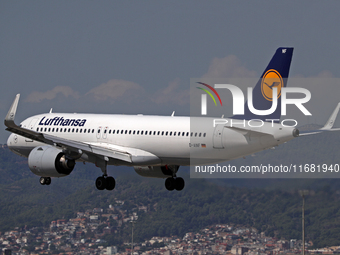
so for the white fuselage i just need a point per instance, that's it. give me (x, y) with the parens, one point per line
(163, 140)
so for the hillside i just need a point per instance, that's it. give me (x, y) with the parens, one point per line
(270, 205)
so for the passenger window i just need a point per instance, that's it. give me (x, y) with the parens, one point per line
(187, 133)
(130, 132)
(162, 132)
(125, 131)
(137, 132)
(158, 132)
(49, 130)
(154, 132)
(72, 130)
(174, 133)
(80, 130)
(92, 131)
(121, 131)
(191, 134)
(204, 135)
(134, 132)
(141, 132)
(170, 133)
(77, 130)
(199, 135)
(65, 129)
(183, 134)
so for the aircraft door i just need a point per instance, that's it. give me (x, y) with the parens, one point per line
(217, 138)
(32, 123)
(105, 132)
(99, 131)
(30, 126)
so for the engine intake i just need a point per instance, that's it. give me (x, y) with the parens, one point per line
(48, 161)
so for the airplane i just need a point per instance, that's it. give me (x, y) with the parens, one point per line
(156, 146)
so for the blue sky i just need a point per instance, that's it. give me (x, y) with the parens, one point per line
(138, 56)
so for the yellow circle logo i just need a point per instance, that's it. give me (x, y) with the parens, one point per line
(271, 79)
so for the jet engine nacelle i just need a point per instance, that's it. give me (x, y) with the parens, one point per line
(48, 161)
(156, 171)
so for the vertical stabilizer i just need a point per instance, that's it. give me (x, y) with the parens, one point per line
(274, 76)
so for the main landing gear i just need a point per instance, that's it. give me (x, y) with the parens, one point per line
(105, 182)
(172, 183)
(45, 180)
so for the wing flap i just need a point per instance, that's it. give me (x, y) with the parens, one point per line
(77, 147)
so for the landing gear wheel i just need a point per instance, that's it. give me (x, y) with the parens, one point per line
(110, 183)
(101, 183)
(47, 180)
(179, 183)
(170, 183)
(42, 181)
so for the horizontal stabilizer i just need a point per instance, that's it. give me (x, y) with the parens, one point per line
(328, 126)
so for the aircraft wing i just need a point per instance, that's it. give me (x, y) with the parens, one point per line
(71, 146)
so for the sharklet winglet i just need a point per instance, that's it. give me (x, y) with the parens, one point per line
(9, 120)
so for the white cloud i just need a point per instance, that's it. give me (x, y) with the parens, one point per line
(37, 97)
(171, 94)
(116, 89)
(228, 67)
